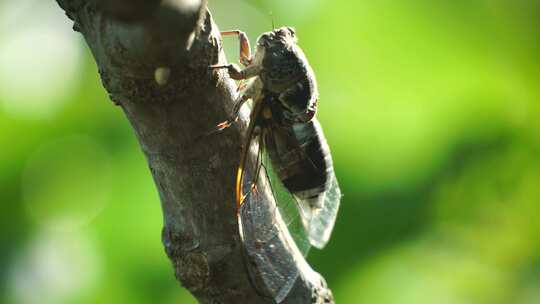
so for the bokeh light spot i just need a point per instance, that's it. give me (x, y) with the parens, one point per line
(40, 58)
(54, 268)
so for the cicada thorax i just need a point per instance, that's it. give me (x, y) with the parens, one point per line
(288, 76)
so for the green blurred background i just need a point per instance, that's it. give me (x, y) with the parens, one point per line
(430, 109)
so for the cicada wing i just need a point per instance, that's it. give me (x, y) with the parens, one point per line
(271, 252)
(318, 209)
(321, 220)
(265, 239)
(288, 206)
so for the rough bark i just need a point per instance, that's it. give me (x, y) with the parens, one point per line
(153, 59)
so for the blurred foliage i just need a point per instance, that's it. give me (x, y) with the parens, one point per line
(430, 109)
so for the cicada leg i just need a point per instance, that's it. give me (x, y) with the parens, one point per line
(251, 69)
(253, 89)
(245, 49)
(241, 85)
(246, 59)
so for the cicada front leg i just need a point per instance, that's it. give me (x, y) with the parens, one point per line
(236, 73)
(246, 59)
(245, 49)
(252, 69)
(253, 88)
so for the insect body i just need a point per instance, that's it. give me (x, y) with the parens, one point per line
(283, 88)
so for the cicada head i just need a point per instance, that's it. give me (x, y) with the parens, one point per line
(284, 36)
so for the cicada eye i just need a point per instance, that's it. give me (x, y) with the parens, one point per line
(263, 40)
(292, 31)
(263, 43)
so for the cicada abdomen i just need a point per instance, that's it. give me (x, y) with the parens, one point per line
(301, 159)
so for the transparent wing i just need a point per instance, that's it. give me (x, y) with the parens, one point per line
(288, 208)
(266, 240)
(322, 220)
(271, 252)
(269, 229)
(318, 211)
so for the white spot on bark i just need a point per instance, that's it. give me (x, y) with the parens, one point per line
(162, 75)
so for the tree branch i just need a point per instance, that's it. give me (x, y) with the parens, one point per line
(153, 58)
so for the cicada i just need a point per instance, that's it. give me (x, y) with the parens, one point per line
(283, 129)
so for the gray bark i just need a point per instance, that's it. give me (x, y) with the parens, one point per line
(135, 41)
